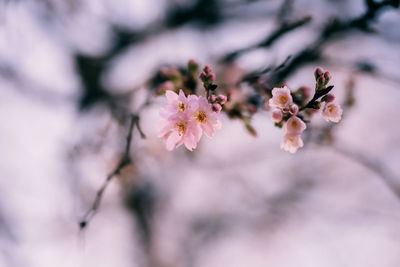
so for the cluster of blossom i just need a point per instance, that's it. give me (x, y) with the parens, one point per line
(186, 118)
(287, 114)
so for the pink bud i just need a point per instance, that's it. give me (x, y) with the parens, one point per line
(212, 98)
(222, 99)
(267, 106)
(252, 108)
(203, 75)
(277, 115)
(216, 107)
(318, 72)
(328, 98)
(327, 76)
(294, 109)
(211, 76)
(321, 80)
(207, 69)
(229, 94)
(168, 85)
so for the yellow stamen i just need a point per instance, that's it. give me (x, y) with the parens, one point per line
(283, 99)
(181, 107)
(200, 116)
(181, 126)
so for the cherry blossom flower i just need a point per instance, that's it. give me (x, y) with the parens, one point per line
(294, 125)
(331, 111)
(185, 119)
(291, 142)
(179, 130)
(281, 98)
(176, 104)
(203, 114)
(276, 115)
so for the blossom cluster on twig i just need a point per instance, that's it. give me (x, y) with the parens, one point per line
(187, 115)
(186, 118)
(292, 118)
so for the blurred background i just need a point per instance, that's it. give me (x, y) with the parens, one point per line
(72, 71)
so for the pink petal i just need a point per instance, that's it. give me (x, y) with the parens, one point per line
(171, 96)
(173, 138)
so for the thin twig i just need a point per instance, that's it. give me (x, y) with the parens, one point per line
(313, 52)
(124, 161)
(284, 27)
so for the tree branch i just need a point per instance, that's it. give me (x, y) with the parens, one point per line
(124, 161)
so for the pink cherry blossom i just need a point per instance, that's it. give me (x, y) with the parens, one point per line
(276, 115)
(177, 104)
(203, 114)
(294, 109)
(291, 142)
(184, 119)
(294, 125)
(281, 98)
(177, 131)
(331, 111)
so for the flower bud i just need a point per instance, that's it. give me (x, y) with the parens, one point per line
(203, 76)
(251, 130)
(321, 80)
(222, 99)
(229, 95)
(216, 107)
(193, 66)
(252, 108)
(267, 106)
(211, 77)
(294, 109)
(212, 98)
(318, 72)
(168, 85)
(277, 115)
(328, 98)
(327, 76)
(207, 69)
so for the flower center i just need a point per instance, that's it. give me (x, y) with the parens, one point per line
(181, 107)
(294, 124)
(331, 108)
(282, 99)
(200, 116)
(181, 127)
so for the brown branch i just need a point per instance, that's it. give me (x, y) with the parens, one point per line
(317, 95)
(313, 52)
(124, 161)
(283, 28)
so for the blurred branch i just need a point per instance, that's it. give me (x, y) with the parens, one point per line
(124, 161)
(33, 89)
(284, 28)
(373, 165)
(313, 52)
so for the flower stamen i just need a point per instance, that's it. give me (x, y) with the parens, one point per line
(181, 107)
(181, 127)
(200, 116)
